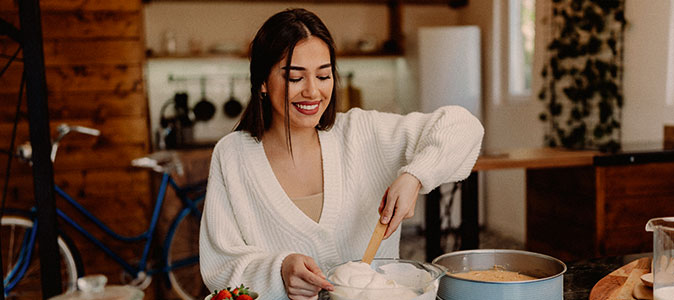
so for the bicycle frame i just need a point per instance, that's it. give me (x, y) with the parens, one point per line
(189, 207)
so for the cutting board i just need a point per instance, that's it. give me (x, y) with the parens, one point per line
(624, 283)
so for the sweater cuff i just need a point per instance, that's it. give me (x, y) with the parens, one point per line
(278, 280)
(426, 184)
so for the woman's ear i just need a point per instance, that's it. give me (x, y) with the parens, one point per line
(263, 89)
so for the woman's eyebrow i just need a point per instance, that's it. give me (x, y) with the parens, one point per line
(298, 68)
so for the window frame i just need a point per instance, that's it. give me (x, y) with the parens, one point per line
(512, 36)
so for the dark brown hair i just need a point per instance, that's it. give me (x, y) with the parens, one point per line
(275, 40)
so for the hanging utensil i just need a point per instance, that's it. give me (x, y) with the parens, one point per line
(232, 106)
(204, 109)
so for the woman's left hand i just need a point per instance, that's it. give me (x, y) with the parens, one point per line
(398, 202)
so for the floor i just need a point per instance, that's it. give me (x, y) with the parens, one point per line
(413, 243)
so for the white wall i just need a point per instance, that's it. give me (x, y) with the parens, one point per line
(647, 51)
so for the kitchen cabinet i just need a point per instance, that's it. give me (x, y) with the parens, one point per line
(581, 204)
(599, 210)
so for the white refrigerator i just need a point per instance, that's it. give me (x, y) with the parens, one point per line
(449, 68)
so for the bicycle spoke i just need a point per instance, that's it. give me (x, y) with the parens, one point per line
(10, 259)
(16, 230)
(183, 259)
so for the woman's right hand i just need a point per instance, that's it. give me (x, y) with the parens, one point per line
(302, 278)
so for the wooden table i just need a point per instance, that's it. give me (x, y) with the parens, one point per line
(579, 203)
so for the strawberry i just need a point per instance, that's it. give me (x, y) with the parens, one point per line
(242, 290)
(223, 295)
(244, 297)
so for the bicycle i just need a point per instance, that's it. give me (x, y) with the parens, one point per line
(179, 261)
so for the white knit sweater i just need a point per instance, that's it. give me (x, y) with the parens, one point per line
(250, 225)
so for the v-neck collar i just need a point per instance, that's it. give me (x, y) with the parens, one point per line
(277, 199)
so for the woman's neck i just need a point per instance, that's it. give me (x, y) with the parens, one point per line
(301, 138)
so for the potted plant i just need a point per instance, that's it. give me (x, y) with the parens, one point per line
(582, 77)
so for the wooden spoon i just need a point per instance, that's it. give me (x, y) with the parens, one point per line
(375, 241)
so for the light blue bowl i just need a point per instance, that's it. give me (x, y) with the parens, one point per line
(548, 270)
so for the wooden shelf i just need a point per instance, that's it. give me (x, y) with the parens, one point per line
(245, 56)
(419, 2)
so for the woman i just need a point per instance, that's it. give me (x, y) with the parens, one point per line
(296, 188)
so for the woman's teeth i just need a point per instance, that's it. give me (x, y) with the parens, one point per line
(307, 107)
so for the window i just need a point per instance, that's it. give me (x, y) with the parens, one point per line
(521, 24)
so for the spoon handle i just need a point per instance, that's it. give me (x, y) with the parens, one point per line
(375, 241)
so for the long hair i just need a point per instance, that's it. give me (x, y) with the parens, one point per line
(277, 39)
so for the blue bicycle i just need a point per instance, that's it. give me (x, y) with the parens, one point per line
(179, 260)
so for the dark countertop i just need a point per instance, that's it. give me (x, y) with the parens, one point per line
(581, 276)
(636, 153)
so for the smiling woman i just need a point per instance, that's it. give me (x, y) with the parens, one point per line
(296, 188)
(309, 89)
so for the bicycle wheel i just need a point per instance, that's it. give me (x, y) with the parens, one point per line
(182, 252)
(22, 264)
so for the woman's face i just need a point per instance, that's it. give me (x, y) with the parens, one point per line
(310, 85)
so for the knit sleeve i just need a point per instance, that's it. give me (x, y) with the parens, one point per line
(224, 258)
(436, 148)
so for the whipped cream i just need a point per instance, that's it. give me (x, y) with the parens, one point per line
(356, 280)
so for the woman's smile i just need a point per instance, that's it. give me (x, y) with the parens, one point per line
(307, 107)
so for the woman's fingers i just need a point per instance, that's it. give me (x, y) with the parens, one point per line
(303, 279)
(383, 202)
(307, 284)
(302, 297)
(316, 276)
(387, 207)
(401, 199)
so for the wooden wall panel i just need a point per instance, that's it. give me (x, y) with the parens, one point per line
(99, 104)
(86, 24)
(94, 57)
(117, 79)
(67, 52)
(115, 132)
(79, 5)
(99, 25)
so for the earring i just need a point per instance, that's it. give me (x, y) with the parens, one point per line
(264, 95)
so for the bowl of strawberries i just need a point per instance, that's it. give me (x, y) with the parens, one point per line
(238, 293)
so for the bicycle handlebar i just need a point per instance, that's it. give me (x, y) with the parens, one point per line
(25, 151)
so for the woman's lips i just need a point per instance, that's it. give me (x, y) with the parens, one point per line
(307, 107)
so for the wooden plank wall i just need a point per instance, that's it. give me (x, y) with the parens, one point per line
(94, 56)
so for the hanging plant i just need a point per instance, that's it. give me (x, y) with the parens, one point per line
(582, 77)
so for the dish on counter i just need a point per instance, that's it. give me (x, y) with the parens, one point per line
(384, 279)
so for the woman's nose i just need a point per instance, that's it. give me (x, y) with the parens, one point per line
(311, 89)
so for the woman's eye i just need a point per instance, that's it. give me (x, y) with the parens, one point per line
(324, 77)
(295, 79)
